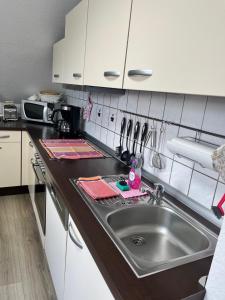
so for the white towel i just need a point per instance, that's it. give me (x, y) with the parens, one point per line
(218, 158)
(215, 286)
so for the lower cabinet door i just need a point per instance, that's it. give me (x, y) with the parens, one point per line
(55, 246)
(83, 280)
(10, 162)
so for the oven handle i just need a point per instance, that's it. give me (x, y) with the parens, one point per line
(54, 197)
(37, 172)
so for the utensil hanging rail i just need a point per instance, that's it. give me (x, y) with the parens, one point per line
(175, 124)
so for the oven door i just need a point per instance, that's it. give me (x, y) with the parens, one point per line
(40, 195)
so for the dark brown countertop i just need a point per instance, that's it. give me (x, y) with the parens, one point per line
(176, 283)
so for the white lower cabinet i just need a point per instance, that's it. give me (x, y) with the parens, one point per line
(10, 158)
(83, 280)
(55, 246)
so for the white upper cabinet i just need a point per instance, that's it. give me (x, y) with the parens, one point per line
(176, 46)
(75, 37)
(107, 33)
(57, 66)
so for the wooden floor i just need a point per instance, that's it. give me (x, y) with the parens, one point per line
(23, 268)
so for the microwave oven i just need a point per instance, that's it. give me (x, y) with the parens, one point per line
(37, 111)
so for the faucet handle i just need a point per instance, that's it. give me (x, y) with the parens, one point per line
(159, 189)
(159, 186)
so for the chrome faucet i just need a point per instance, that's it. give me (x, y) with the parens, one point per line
(157, 193)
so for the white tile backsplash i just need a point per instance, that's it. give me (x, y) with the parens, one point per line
(181, 177)
(103, 136)
(94, 97)
(132, 101)
(165, 174)
(193, 117)
(110, 139)
(105, 116)
(114, 101)
(202, 189)
(200, 185)
(97, 131)
(157, 105)
(214, 119)
(107, 99)
(122, 102)
(173, 109)
(99, 114)
(112, 119)
(144, 103)
(101, 98)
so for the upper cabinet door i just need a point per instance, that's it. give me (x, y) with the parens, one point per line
(75, 37)
(57, 67)
(177, 46)
(107, 33)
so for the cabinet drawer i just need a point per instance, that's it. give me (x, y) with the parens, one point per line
(8, 136)
(10, 160)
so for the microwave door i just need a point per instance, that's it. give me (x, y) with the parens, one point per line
(34, 112)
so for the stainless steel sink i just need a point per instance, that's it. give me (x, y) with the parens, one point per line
(152, 237)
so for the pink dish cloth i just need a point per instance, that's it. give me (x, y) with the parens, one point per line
(98, 189)
(127, 194)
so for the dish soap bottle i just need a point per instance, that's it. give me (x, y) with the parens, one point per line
(134, 178)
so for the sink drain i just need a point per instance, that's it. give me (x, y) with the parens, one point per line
(138, 240)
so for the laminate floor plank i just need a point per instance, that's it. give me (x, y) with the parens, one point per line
(23, 267)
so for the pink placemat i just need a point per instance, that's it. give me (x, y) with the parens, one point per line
(127, 194)
(70, 149)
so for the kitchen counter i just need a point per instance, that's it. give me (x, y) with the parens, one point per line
(176, 283)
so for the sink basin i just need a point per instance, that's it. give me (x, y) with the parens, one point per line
(151, 237)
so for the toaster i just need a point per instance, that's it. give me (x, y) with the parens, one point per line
(10, 112)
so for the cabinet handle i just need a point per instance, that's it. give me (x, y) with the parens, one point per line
(112, 74)
(71, 234)
(31, 145)
(145, 73)
(56, 76)
(4, 136)
(77, 75)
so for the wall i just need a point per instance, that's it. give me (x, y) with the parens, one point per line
(28, 29)
(203, 186)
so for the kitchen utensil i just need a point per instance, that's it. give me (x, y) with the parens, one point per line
(119, 149)
(152, 143)
(144, 133)
(135, 138)
(125, 156)
(157, 160)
